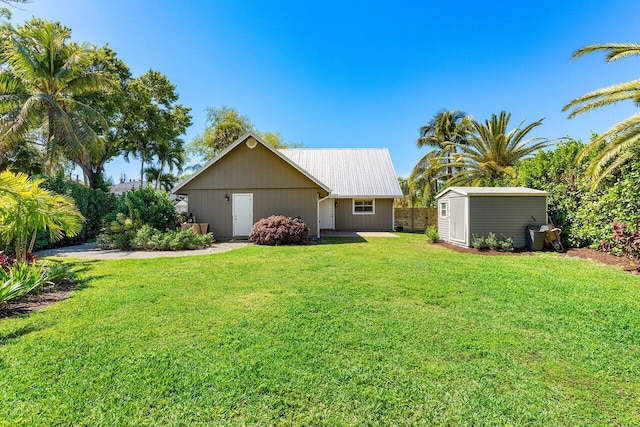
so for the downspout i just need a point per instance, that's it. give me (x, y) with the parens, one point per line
(393, 215)
(318, 213)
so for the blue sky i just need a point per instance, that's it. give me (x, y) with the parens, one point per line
(365, 73)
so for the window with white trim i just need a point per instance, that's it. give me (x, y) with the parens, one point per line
(444, 209)
(364, 206)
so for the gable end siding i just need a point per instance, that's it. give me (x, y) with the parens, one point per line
(245, 167)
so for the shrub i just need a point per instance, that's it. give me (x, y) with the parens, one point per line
(21, 279)
(279, 230)
(478, 242)
(432, 234)
(150, 239)
(119, 232)
(152, 207)
(93, 204)
(505, 244)
(491, 242)
(625, 241)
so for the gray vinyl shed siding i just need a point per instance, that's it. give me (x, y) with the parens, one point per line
(508, 215)
(382, 220)
(277, 188)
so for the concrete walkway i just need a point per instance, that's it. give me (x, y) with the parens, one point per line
(93, 251)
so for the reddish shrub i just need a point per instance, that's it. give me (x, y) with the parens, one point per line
(624, 240)
(279, 230)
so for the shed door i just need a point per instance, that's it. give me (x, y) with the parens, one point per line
(458, 219)
(242, 214)
(327, 215)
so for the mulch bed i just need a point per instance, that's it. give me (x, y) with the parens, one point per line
(48, 295)
(584, 253)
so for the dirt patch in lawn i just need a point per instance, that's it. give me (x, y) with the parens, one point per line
(585, 253)
(48, 295)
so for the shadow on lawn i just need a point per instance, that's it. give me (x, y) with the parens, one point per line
(341, 240)
(49, 294)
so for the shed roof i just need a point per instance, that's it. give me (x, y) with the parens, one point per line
(493, 191)
(349, 172)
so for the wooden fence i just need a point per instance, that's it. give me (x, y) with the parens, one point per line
(415, 219)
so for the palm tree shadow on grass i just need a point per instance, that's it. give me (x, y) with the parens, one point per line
(341, 240)
(32, 303)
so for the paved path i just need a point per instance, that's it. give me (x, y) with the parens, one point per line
(92, 251)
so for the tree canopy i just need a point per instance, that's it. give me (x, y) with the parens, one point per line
(223, 127)
(64, 102)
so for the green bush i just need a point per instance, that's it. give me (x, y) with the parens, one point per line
(492, 242)
(21, 279)
(583, 213)
(93, 204)
(119, 233)
(133, 210)
(432, 234)
(152, 207)
(150, 239)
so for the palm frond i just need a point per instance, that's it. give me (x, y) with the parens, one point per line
(605, 96)
(616, 50)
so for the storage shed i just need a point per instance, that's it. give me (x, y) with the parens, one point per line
(467, 211)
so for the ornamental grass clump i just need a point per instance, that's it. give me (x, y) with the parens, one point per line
(432, 234)
(279, 230)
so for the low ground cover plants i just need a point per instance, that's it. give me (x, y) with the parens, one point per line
(492, 242)
(348, 332)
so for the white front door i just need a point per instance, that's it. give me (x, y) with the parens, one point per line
(242, 210)
(327, 214)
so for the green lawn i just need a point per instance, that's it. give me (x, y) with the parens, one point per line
(387, 331)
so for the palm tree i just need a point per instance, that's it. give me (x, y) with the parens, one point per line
(27, 209)
(621, 137)
(490, 154)
(41, 76)
(170, 154)
(445, 132)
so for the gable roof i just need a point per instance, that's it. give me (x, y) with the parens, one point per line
(350, 172)
(240, 141)
(493, 191)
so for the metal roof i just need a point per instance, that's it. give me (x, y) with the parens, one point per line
(349, 172)
(494, 191)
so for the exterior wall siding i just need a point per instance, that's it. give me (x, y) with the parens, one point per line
(210, 206)
(506, 215)
(245, 167)
(277, 188)
(382, 220)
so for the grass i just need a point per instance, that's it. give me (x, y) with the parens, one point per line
(388, 331)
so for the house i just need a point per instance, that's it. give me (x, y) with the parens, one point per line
(123, 186)
(467, 211)
(339, 189)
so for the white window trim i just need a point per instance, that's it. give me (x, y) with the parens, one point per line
(373, 205)
(446, 205)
